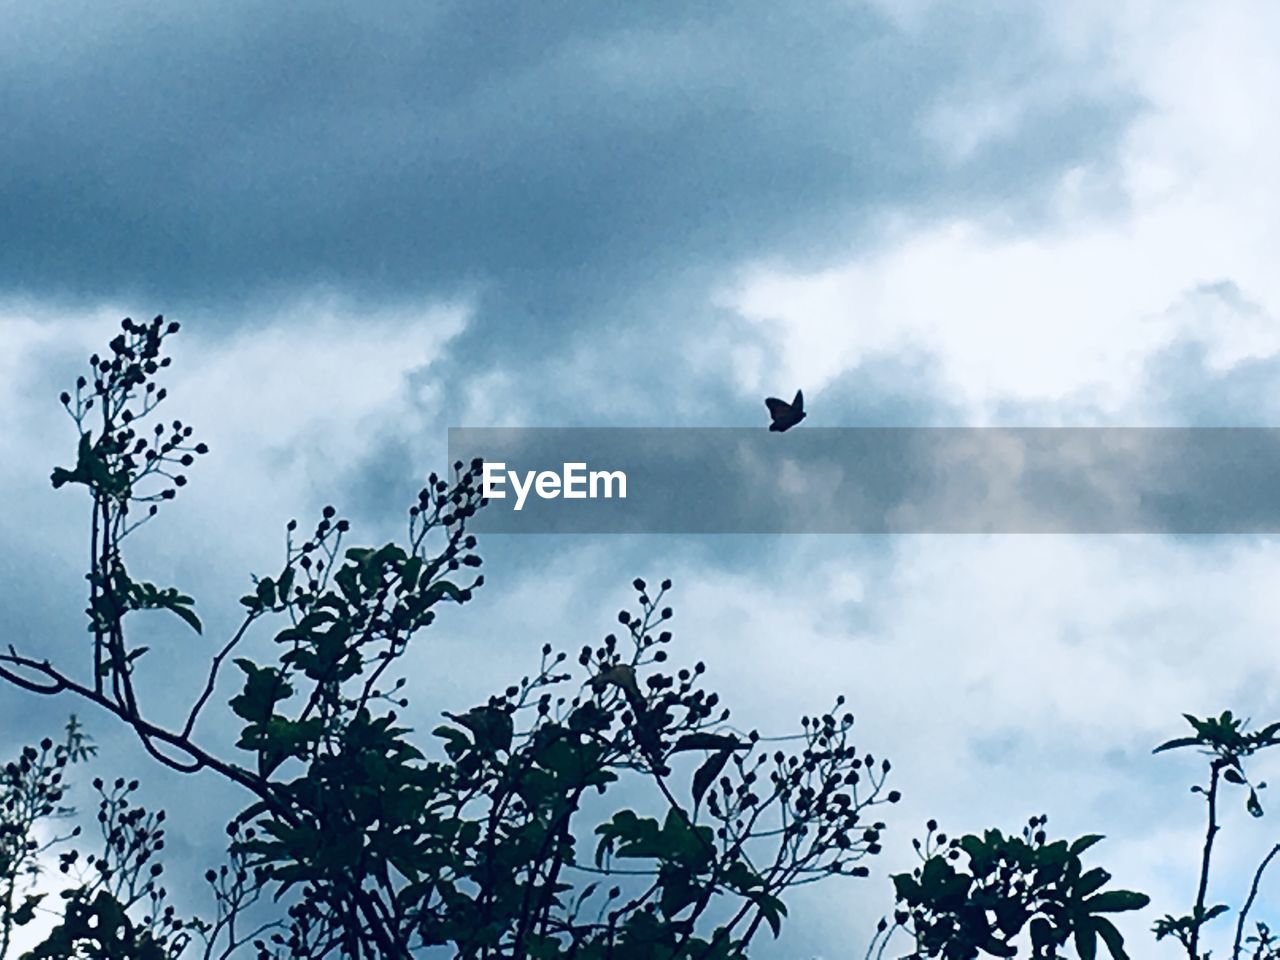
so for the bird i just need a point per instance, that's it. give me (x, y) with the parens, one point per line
(785, 415)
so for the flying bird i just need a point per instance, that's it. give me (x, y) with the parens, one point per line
(785, 415)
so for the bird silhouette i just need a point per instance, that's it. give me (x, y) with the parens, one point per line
(785, 415)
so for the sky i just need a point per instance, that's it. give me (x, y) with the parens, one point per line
(379, 221)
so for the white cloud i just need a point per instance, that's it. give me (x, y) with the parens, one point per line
(320, 378)
(1072, 308)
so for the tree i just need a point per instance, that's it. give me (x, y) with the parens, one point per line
(978, 894)
(373, 848)
(601, 806)
(1228, 743)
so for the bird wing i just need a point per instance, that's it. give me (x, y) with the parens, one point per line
(798, 402)
(777, 408)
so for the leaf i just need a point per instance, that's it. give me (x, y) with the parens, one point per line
(1081, 844)
(266, 591)
(1092, 881)
(1117, 901)
(906, 888)
(263, 688)
(27, 912)
(442, 588)
(1215, 911)
(83, 471)
(456, 742)
(1252, 804)
(708, 741)
(1086, 937)
(640, 836)
(285, 584)
(706, 774)
(677, 894)
(492, 728)
(999, 948)
(622, 676)
(689, 845)
(1267, 733)
(1111, 937)
(147, 596)
(188, 615)
(772, 909)
(1175, 743)
(1041, 933)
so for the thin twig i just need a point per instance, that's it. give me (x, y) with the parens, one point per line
(1248, 904)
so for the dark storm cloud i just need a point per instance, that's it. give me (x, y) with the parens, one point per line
(554, 157)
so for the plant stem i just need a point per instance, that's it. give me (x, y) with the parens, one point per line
(1248, 904)
(1211, 831)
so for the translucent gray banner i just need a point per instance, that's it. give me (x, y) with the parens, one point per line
(873, 480)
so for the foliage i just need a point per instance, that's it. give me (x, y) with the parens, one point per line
(1227, 742)
(101, 888)
(977, 894)
(602, 805)
(32, 789)
(122, 877)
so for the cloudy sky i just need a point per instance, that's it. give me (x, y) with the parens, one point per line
(377, 221)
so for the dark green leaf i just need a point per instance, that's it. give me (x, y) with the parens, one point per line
(1116, 901)
(1082, 844)
(1176, 743)
(706, 774)
(708, 741)
(1086, 938)
(1111, 937)
(1252, 804)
